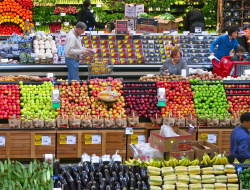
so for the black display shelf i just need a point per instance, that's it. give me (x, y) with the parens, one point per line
(17, 82)
(236, 10)
(237, 94)
(141, 82)
(205, 83)
(127, 94)
(74, 129)
(139, 88)
(231, 81)
(237, 88)
(29, 129)
(70, 4)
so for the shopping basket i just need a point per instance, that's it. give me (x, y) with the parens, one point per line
(97, 68)
(227, 67)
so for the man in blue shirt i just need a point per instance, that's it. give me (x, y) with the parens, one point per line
(240, 141)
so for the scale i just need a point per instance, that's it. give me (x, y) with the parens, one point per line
(56, 98)
(161, 95)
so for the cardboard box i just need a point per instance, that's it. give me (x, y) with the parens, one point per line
(168, 25)
(132, 10)
(180, 155)
(147, 21)
(171, 144)
(145, 152)
(131, 23)
(205, 147)
(146, 28)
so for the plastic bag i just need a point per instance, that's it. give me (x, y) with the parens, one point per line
(181, 185)
(232, 186)
(220, 186)
(181, 170)
(153, 171)
(230, 169)
(170, 179)
(95, 159)
(221, 179)
(167, 131)
(167, 171)
(85, 158)
(208, 179)
(207, 170)
(194, 170)
(195, 178)
(183, 179)
(208, 186)
(232, 178)
(168, 187)
(116, 158)
(194, 186)
(105, 159)
(218, 169)
(155, 180)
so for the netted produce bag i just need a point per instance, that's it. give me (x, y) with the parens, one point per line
(73, 122)
(14, 123)
(98, 122)
(169, 120)
(50, 123)
(27, 122)
(38, 122)
(133, 120)
(62, 121)
(86, 121)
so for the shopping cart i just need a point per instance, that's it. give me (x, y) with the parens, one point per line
(226, 67)
(97, 68)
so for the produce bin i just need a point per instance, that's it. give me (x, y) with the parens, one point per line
(227, 67)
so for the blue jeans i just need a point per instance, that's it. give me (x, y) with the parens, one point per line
(73, 69)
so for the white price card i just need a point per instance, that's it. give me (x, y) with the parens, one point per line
(141, 139)
(150, 75)
(50, 75)
(129, 131)
(62, 14)
(66, 23)
(2, 140)
(46, 140)
(166, 32)
(186, 32)
(212, 138)
(71, 139)
(4, 60)
(37, 23)
(96, 139)
(57, 189)
(33, 55)
(204, 32)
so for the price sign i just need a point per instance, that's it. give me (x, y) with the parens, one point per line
(71, 139)
(121, 27)
(212, 138)
(141, 139)
(4, 60)
(204, 136)
(62, 14)
(37, 23)
(63, 139)
(96, 139)
(134, 139)
(66, 23)
(38, 139)
(129, 131)
(88, 139)
(2, 140)
(46, 140)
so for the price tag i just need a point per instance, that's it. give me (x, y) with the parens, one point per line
(62, 14)
(33, 55)
(129, 131)
(66, 23)
(96, 139)
(204, 32)
(186, 32)
(56, 94)
(2, 140)
(71, 139)
(38, 139)
(197, 30)
(46, 140)
(141, 139)
(4, 60)
(204, 136)
(150, 75)
(98, 5)
(88, 139)
(134, 139)
(63, 139)
(166, 32)
(212, 138)
(37, 23)
(50, 75)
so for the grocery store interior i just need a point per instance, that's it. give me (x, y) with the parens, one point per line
(128, 94)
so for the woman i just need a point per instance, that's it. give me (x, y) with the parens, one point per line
(225, 44)
(87, 16)
(175, 64)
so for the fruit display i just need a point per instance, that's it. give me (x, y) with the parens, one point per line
(36, 99)
(16, 176)
(204, 77)
(244, 177)
(63, 9)
(10, 29)
(238, 104)
(10, 101)
(24, 78)
(210, 100)
(162, 78)
(179, 98)
(242, 77)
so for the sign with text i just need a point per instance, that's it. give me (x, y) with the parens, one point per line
(121, 27)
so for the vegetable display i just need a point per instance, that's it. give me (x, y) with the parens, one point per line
(17, 177)
(167, 16)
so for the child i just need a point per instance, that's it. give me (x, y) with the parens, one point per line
(239, 54)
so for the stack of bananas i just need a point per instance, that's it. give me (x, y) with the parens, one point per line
(184, 162)
(172, 161)
(236, 161)
(194, 186)
(153, 171)
(155, 181)
(217, 160)
(195, 178)
(131, 162)
(207, 186)
(183, 179)
(168, 187)
(206, 159)
(207, 171)
(181, 186)
(181, 170)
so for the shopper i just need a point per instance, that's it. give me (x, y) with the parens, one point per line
(194, 19)
(74, 50)
(225, 44)
(87, 16)
(240, 140)
(175, 64)
(239, 55)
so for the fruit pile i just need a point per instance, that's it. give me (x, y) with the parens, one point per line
(36, 99)
(162, 78)
(26, 4)
(205, 76)
(238, 105)
(241, 89)
(69, 9)
(11, 11)
(9, 29)
(210, 100)
(10, 101)
(179, 98)
(16, 176)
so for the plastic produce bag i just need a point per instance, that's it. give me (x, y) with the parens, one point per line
(86, 122)
(116, 158)
(167, 171)
(153, 171)
(230, 169)
(232, 186)
(95, 159)
(168, 120)
(181, 170)
(194, 170)
(221, 179)
(14, 122)
(208, 186)
(38, 122)
(105, 159)
(232, 178)
(168, 187)
(85, 158)
(208, 179)
(207, 170)
(195, 178)
(220, 186)
(181, 186)
(219, 169)
(183, 179)
(155, 180)
(195, 186)
(169, 180)
(167, 131)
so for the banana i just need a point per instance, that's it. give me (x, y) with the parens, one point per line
(236, 161)
(204, 160)
(201, 162)
(147, 163)
(181, 162)
(139, 161)
(131, 161)
(208, 159)
(151, 162)
(216, 161)
(213, 160)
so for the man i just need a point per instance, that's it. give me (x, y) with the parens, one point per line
(74, 50)
(194, 18)
(240, 141)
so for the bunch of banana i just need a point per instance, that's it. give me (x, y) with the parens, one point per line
(164, 163)
(184, 162)
(195, 162)
(220, 160)
(236, 161)
(214, 158)
(206, 159)
(172, 161)
(155, 163)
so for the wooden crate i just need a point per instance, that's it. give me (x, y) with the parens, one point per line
(223, 137)
(138, 132)
(111, 140)
(20, 143)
